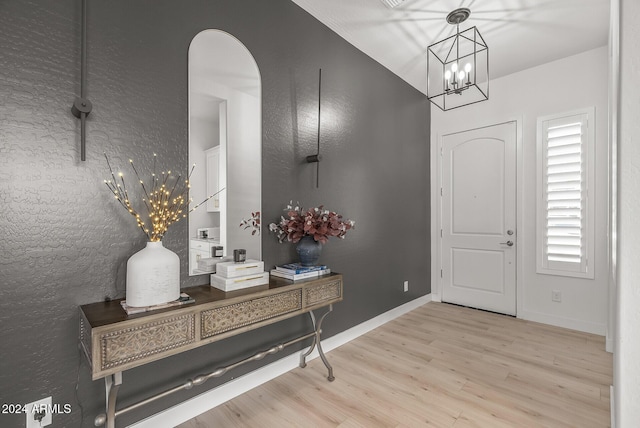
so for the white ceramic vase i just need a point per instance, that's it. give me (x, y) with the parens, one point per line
(153, 276)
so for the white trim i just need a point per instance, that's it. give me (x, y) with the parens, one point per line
(612, 217)
(520, 204)
(570, 323)
(197, 405)
(436, 152)
(560, 268)
(613, 335)
(612, 405)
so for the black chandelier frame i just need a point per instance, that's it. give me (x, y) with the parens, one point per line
(446, 52)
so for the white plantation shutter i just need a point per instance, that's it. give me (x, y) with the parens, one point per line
(564, 191)
(565, 210)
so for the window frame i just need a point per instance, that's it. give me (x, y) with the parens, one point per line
(584, 269)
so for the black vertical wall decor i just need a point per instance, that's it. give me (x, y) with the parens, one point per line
(318, 157)
(64, 242)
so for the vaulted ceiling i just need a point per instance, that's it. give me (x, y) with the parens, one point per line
(520, 33)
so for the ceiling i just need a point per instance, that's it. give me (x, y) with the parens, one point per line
(520, 34)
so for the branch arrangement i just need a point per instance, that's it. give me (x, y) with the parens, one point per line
(252, 223)
(166, 199)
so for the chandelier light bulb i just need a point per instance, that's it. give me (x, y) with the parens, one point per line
(461, 75)
(467, 67)
(447, 75)
(454, 67)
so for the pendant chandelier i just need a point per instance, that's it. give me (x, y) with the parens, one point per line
(458, 66)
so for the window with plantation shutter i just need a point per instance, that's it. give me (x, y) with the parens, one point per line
(565, 207)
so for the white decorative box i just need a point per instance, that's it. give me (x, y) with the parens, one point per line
(238, 283)
(234, 270)
(207, 264)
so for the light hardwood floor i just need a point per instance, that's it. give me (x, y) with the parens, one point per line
(442, 366)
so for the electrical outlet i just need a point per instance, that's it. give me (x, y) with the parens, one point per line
(41, 406)
(556, 296)
(406, 286)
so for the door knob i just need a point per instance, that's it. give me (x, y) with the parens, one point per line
(509, 232)
(509, 243)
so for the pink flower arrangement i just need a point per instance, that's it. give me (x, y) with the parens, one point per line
(317, 222)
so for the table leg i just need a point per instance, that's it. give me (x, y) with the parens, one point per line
(316, 341)
(112, 385)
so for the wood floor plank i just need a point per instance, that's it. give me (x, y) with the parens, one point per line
(439, 366)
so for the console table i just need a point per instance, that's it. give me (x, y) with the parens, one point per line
(114, 341)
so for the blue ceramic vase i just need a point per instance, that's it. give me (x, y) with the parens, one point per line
(308, 251)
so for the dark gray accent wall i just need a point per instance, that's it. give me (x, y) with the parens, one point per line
(64, 242)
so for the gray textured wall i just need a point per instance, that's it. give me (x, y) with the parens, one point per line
(64, 240)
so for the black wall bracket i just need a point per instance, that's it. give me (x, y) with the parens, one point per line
(317, 157)
(81, 105)
(314, 158)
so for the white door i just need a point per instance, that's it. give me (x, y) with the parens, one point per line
(479, 218)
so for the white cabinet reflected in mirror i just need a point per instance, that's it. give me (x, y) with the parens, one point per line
(225, 144)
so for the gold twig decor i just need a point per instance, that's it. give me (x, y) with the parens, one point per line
(166, 200)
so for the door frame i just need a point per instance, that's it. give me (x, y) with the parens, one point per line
(436, 207)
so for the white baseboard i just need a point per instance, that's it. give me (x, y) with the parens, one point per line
(612, 406)
(573, 324)
(195, 406)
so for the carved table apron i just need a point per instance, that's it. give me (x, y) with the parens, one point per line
(114, 341)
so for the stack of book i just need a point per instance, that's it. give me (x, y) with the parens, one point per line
(295, 271)
(231, 276)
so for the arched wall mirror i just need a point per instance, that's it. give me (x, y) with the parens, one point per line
(225, 144)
